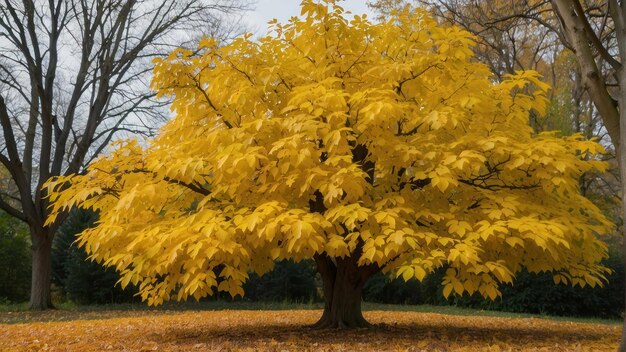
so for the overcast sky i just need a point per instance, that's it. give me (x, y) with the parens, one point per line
(282, 10)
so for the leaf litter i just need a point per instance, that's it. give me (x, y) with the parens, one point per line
(287, 330)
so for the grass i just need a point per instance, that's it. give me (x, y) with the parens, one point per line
(68, 310)
(461, 311)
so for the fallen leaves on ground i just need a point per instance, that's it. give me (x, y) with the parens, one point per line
(237, 330)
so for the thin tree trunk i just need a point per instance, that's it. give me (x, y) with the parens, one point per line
(40, 295)
(618, 12)
(343, 282)
(622, 172)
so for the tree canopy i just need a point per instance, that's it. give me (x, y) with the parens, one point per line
(332, 136)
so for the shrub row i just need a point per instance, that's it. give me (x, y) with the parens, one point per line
(15, 260)
(529, 293)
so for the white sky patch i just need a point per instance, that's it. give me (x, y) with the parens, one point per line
(282, 10)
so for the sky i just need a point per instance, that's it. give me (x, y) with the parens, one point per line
(282, 10)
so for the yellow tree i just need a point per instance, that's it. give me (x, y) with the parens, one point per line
(365, 146)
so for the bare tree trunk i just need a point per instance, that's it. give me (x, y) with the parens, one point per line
(618, 13)
(40, 295)
(343, 282)
(622, 171)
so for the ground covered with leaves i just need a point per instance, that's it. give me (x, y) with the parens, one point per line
(286, 330)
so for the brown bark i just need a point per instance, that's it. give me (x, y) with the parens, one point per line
(621, 75)
(40, 297)
(574, 28)
(343, 280)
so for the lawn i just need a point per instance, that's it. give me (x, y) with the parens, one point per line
(284, 328)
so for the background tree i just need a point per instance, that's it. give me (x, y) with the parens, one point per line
(364, 146)
(73, 75)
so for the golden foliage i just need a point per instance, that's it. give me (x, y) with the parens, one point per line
(286, 331)
(344, 137)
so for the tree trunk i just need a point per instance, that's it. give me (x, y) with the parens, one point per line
(40, 297)
(622, 168)
(343, 280)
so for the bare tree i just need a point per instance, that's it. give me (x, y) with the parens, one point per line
(512, 35)
(74, 74)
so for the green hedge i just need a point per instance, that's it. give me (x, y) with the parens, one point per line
(83, 281)
(289, 281)
(530, 293)
(15, 260)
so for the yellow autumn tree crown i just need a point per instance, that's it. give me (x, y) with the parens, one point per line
(341, 137)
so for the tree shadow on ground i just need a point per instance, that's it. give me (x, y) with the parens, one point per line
(404, 334)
